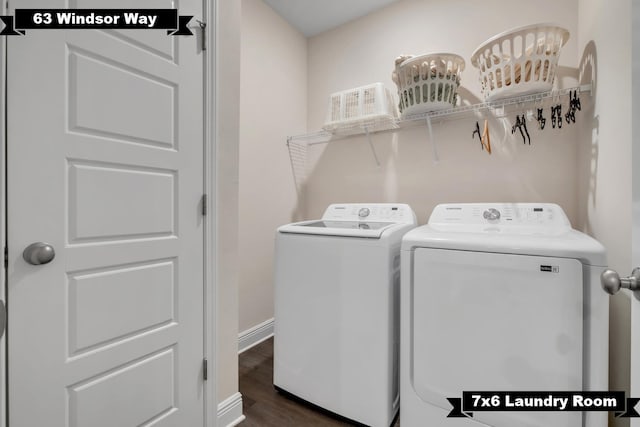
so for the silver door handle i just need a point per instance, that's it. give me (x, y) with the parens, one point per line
(38, 253)
(612, 282)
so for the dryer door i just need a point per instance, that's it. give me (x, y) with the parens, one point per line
(496, 322)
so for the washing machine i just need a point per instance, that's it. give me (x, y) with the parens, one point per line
(500, 297)
(337, 285)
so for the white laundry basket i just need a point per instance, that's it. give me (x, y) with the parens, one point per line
(428, 82)
(519, 61)
(369, 106)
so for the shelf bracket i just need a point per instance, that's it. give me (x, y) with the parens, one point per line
(373, 150)
(436, 159)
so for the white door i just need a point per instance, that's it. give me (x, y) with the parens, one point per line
(105, 164)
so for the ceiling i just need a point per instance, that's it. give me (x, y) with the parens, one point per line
(312, 17)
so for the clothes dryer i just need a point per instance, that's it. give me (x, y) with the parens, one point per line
(500, 297)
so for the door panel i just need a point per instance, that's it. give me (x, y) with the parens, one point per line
(93, 297)
(147, 41)
(93, 403)
(105, 163)
(110, 202)
(94, 77)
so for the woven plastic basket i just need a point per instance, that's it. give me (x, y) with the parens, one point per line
(428, 82)
(519, 61)
(369, 106)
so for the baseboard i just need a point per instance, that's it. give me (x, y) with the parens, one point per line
(255, 335)
(230, 411)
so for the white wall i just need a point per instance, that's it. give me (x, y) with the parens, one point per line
(583, 167)
(273, 101)
(606, 205)
(363, 52)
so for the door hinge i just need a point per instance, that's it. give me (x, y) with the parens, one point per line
(203, 28)
(3, 318)
(203, 203)
(205, 369)
(6, 257)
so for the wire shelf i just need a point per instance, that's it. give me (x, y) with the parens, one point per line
(298, 144)
(322, 136)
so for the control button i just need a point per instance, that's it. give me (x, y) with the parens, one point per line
(364, 212)
(491, 214)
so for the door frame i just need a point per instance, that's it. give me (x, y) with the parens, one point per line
(210, 229)
(3, 216)
(634, 318)
(210, 226)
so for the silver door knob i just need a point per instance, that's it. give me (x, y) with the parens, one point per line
(612, 282)
(38, 253)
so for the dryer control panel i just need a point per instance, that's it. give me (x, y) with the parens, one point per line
(544, 215)
(370, 212)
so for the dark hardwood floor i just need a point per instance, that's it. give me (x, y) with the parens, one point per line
(263, 406)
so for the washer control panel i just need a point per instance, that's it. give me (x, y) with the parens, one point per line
(373, 212)
(503, 214)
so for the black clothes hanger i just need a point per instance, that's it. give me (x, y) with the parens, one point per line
(541, 120)
(521, 125)
(556, 116)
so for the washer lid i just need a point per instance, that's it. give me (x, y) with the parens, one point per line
(339, 228)
(515, 228)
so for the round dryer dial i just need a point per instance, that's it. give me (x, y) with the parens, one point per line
(364, 212)
(491, 214)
